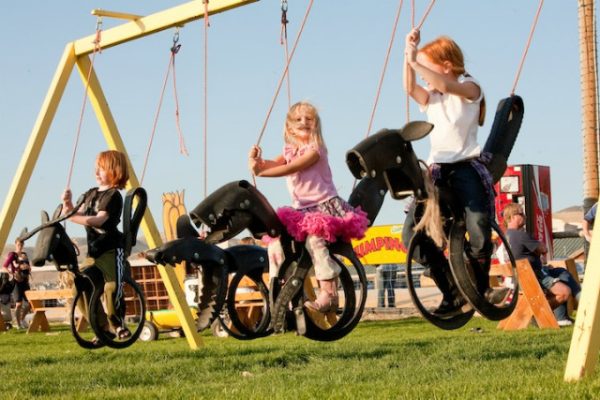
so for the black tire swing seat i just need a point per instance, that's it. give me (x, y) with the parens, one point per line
(239, 205)
(53, 244)
(228, 211)
(388, 157)
(503, 134)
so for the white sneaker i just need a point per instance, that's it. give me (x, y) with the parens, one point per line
(565, 322)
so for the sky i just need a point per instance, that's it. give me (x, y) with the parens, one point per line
(337, 66)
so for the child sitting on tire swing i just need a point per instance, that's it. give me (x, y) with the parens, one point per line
(318, 215)
(100, 215)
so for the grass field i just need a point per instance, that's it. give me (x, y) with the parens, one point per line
(404, 359)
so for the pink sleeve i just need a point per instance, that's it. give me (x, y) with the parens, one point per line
(9, 259)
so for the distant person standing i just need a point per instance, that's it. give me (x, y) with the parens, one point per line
(17, 263)
(7, 285)
(386, 282)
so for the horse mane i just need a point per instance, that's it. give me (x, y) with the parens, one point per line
(431, 221)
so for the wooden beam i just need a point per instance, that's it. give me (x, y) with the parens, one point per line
(35, 143)
(585, 342)
(176, 16)
(151, 233)
(115, 14)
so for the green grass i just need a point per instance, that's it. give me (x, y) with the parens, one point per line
(406, 359)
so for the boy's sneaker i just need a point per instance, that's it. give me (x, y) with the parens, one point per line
(448, 309)
(565, 322)
(496, 295)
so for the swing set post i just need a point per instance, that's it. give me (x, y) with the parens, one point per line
(76, 53)
(151, 233)
(35, 143)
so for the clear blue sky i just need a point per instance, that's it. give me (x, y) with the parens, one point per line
(337, 67)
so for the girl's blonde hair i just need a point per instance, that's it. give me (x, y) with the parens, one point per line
(443, 49)
(317, 136)
(115, 164)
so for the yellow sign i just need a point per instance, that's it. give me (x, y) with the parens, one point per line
(381, 245)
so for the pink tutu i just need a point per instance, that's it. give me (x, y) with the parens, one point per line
(301, 223)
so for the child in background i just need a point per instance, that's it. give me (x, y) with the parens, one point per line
(318, 215)
(17, 264)
(455, 105)
(7, 285)
(100, 215)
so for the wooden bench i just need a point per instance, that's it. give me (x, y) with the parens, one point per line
(37, 298)
(249, 302)
(532, 301)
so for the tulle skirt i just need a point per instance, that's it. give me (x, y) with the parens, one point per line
(332, 220)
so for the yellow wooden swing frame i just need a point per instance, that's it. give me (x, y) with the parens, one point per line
(77, 53)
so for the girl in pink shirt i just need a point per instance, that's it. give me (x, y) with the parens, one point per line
(318, 215)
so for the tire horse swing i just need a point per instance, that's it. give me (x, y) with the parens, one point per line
(54, 245)
(387, 161)
(230, 210)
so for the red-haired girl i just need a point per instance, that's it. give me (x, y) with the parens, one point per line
(100, 215)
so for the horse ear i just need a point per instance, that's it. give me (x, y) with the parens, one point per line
(415, 130)
(45, 217)
(57, 212)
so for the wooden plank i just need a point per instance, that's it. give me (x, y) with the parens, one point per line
(169, 18)
(501, 270)
(532, 302)
(49, 294)
(585, 342)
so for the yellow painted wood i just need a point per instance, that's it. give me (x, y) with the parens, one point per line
(173, 208)
(77, 53)
(585, 342)
(115, 14)
(176, 16)
(36, 140)
(149, 228)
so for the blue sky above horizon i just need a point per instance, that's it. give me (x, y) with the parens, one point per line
(337, 67)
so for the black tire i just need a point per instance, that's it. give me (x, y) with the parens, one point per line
(257, 325)
(446, 323)
(131, 311)
(352, 299)
(80, 327)
(149, 332)
(463, 274)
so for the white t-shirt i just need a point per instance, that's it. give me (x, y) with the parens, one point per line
(455, 122)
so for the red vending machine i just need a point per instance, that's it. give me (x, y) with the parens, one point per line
(528, 185)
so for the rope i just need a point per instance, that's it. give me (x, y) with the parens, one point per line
(160, 101)
(182, 148)
(382, 77)
(283, 40)
(206, 26)
(287, 65)
(427, 11)
(418, 27)
(97, 49)
(174, 50)
(385, 64)
(535, 20)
